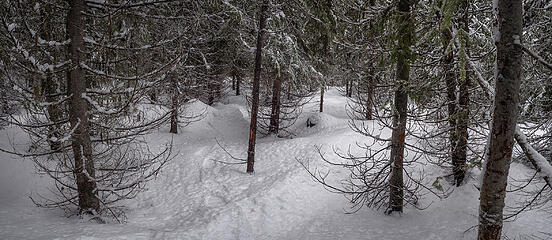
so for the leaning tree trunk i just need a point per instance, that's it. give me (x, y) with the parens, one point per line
(508, 78)
(78, 112)
(255, 93)
(405, 25)
(461, 147)
(174, 104)
(275, 112)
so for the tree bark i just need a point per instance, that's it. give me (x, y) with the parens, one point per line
(233, 81)
(347, 87)
(275, 113)
(351, 84)
(322, 98)
(450, 81)
(50, 85)
(238, 82)
(497, 164)
(211, 89)
(78, 112)
(404, 22)
(369, 104)
(255, 93)
(174, 105)
(461, 146)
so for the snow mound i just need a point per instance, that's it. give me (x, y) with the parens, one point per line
(317, 123)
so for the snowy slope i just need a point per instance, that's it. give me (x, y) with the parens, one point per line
(196, 197)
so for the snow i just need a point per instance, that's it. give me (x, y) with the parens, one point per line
(196, 197)
(517, 40)
(11, 27)
(495, 29)
(548, 6)
(97, 106)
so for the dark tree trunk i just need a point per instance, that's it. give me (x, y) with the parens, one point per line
(211, 89)
(396, 193)
(460, 149)
(369, 104)
(322, 98)
(275, 113)
(174, 104)
(153, 95)
(238, 82)
(54, 111)
(347, 86)
(497, 165)
(450, 81)
(233, 81)
(350, 93)
(288, 93)
(78, 112)
(50, 85)
(255, 93)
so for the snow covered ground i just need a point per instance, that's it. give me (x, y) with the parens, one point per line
(196, 197)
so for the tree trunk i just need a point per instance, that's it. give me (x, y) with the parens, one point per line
(347, 87)
(404, 22)
(460, 149)
(508, 78)
(211, 89)
(255, 93)
(174, 106)
(450, 81)
(351, 87)
(78, 112)
(238, 82)
(369, 104)
(233, 81)
(275, 113)
(50, 85)
(153, 95)
(54, 111)
(322, 98)
(288, 93)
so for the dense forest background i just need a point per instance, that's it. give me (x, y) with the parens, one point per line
(442, 95)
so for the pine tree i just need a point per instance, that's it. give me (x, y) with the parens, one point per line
(256, 81)
(403, 55)
(505, 114)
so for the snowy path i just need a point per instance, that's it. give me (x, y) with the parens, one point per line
(198, 198)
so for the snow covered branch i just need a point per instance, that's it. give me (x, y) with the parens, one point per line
(149, 74)
(537, 160)
(536, 56)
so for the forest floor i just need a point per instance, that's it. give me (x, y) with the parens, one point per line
(196, 197)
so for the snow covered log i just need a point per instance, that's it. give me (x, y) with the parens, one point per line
(537, 160)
